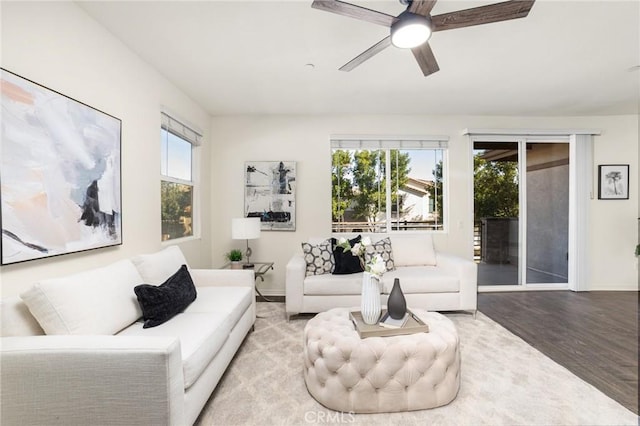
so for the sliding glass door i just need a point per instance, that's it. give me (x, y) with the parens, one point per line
(497, 212)
(521, 212)
(547, 213)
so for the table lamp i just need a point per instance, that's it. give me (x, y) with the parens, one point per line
(246, 228)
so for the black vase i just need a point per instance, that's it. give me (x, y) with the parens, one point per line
(396, 304)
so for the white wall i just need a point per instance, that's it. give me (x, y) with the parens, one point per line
(57, 45)
(614, 222)
(305, 139)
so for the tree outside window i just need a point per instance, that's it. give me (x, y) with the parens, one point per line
(361, 183)
(176, 186)
(495, 188)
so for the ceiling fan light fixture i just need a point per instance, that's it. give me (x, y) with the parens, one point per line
(410, 30)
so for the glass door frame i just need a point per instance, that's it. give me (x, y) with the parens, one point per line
(522, 141)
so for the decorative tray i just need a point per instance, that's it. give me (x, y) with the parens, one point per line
(413, 325)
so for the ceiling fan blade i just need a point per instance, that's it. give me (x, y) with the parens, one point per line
(482, 15)
(426, 59)
(367, 54)
(422, 7)
(353, 11)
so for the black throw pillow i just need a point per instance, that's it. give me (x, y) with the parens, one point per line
(346, 263)
(161, 303)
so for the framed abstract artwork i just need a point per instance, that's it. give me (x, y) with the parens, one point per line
(613, 182)
(270, 194)
(61, 176)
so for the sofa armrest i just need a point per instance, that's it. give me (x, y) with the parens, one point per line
(294, 284)
(91, 380)
(467, 273)
(222, 277)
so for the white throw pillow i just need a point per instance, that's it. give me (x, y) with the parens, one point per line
(98, 301)
(16, 320)
(413, 250)
(156, 268)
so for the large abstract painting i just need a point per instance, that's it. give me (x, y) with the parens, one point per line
(60, 173)
(270, 194)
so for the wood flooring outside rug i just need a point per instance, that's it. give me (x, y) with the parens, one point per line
(592, 334)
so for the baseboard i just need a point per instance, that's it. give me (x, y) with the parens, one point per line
(277, 299)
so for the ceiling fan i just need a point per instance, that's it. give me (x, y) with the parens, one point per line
(413, 27)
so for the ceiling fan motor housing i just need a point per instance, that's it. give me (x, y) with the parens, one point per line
(410, 30)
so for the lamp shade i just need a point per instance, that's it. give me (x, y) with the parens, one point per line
(410, 30)
(245, 228)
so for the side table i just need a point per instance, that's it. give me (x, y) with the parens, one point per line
(259, 270)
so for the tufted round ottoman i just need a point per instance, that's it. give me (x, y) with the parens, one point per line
(380, 374)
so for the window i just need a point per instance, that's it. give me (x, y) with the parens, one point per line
(177, 184)
(406, 195)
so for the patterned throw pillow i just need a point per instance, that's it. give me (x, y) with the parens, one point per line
(382, 248)
(319, 258)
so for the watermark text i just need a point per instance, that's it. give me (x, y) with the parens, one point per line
(329, 417)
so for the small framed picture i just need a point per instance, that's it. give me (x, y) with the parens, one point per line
(613, 182)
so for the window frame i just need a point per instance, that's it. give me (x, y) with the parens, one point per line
(404, 143)
(191, 135)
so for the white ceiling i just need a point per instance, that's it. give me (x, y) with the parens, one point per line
(249, 57)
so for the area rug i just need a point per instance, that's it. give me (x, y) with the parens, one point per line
(505, 381)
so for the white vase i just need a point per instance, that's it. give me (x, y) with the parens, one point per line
(370, 299)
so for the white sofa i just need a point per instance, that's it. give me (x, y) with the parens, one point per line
(429, 279)
(95, 364)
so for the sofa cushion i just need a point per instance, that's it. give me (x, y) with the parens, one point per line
(413, 279)
(155, 268)
(333, 284)
(345, 261)
(98, 301)
(422, 279)
(383, 249)
(161, 303)
(319, 258)
(413, 249)
(201, 336)
(233, 301)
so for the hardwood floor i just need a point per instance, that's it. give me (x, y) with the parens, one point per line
(592, 334)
